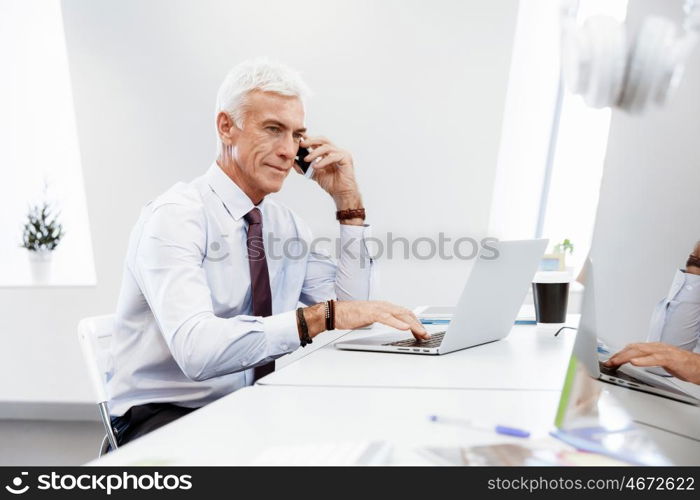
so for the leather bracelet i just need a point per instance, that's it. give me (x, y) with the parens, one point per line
(329, 308)
(693, 260)
(327, 314)
(351, 213)
(303, 328)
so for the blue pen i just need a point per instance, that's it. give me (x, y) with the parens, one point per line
(499, 429)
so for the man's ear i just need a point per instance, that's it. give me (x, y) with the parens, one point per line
(227, 129)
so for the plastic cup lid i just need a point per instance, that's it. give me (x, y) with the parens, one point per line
(553, 277)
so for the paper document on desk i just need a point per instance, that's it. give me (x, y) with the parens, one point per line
(505, 454)
(334, 453)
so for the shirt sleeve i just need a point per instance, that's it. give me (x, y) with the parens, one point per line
(676, 319)
(167, 265)
(353, 277)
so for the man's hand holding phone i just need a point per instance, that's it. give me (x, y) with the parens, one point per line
(333, 170)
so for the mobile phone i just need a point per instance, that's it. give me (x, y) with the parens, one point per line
(305, 166)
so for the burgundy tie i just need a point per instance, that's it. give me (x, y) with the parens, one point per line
(259, 278)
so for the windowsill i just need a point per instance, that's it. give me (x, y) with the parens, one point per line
(70, 266)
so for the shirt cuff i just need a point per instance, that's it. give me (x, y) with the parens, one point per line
(353, 240)
(281, 333)
(690, 289)
(355, 270)
(352, 231)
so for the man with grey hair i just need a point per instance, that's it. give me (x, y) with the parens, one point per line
(204, 310)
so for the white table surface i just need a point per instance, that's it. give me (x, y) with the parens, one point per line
(663, 413)
(324, 395)
(530, 358)
(238, 427)
(673, 426)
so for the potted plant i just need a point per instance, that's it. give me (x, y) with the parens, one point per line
(562, 249)
(41, 235)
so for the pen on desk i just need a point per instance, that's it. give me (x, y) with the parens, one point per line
(499, 429)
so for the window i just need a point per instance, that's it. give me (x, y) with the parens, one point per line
(553, 146)
(39, 142)
(568, 205)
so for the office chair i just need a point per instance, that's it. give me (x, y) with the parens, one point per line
(94, 334)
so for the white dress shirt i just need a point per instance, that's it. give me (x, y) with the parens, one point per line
(676, 319)
(184, 330)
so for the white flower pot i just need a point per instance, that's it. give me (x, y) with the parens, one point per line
(40, 266)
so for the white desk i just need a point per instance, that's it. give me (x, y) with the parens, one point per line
(674, 426)
(320, 342)
(321, 394)
(674, 416)
(530, 358)
(236, 428)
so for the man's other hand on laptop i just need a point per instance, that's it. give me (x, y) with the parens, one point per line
(351, 314)
(682, 364)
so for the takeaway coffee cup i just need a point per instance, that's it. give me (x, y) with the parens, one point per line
(550, 291)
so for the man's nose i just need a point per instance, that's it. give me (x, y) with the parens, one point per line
(288, 148)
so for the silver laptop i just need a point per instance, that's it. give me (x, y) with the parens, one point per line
(632, 377)
(490, 301)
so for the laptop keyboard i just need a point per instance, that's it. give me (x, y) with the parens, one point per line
(434, 341)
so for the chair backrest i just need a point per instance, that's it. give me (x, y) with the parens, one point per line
(95, 334)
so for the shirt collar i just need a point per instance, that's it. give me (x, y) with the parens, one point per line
(234, 199)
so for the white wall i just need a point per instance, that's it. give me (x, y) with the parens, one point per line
(414, 89)
(647, 218)
(38, 143)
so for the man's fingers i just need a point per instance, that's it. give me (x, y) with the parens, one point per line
(329, 159)
(623, 356)
(320, 151)
(313, 142)
(407, 316)
(419, 332)
(671, 358)
(416, 327)
(421, 329)
(612, 362)
(415, 318)
(642, 347)
(662, 361)
(648, 360)
(393, 322)
(614, 359)
(639, 351)
(399, 318)
(654, 347)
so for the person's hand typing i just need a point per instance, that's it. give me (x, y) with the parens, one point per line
(682, 364)
(351, 314)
